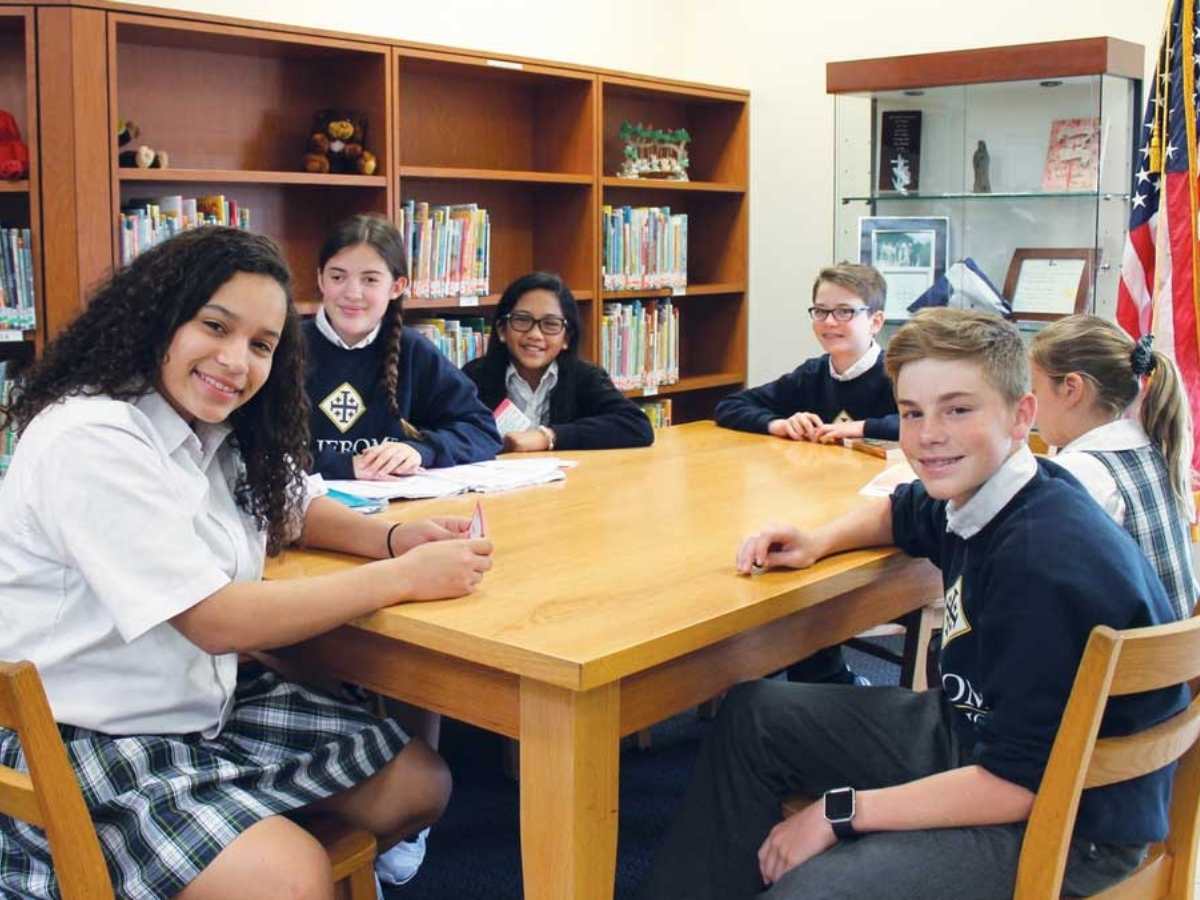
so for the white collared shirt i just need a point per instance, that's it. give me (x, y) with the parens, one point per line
(326, 328)
(993, 495)
(863, 364)
(535, 404)
(118, 516)
(1122, 434)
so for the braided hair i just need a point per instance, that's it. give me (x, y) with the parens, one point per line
(383, 237)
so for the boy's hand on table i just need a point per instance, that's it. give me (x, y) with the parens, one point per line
(836, 431)
(777, 545)
(801, 426)
(793, 841)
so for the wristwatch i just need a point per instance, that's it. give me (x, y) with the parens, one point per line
(839, 812)
(549, 433)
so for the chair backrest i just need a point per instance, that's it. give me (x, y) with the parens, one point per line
(1113, 664)
(49, 796)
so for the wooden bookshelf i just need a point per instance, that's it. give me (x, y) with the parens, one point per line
(532, 142)
(20, 204)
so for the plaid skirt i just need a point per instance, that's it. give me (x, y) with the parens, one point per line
(164, 806)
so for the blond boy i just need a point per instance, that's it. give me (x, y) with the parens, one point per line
(925, 794)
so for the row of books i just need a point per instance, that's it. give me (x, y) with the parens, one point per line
(8, 433)
(644, 248)
(658, 412)
(460, 340)
(639, 343)
(147, 222)
(17, 307)
(448, 248)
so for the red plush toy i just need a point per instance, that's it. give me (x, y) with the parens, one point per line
(14, 155)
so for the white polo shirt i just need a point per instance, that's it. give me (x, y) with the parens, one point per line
(118, 516)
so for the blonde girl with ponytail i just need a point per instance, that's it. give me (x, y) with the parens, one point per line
(1118, 411)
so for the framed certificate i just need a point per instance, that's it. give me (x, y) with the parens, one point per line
(910, 253)
(1049, 283)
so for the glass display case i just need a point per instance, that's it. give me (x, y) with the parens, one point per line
(1005, 170)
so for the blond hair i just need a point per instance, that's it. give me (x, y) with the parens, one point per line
(961, 334)
(1113, 362)
(864, 281)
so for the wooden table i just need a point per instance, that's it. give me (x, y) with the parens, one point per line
(612, 605)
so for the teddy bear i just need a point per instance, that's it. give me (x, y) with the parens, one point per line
(335, 144)
(143, 157)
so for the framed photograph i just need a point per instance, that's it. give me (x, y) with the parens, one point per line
(909, 251)
(1049, 283)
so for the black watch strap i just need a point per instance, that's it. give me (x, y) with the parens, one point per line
(843, 828)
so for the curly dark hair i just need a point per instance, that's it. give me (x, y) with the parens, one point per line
(117, 344)
(385, 239)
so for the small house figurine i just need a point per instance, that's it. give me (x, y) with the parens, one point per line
(654, 153)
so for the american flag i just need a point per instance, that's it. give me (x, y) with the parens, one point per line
(1158, 290)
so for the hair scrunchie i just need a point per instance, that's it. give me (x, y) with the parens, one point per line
(1142, 360)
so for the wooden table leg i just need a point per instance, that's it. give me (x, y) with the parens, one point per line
(569, 774)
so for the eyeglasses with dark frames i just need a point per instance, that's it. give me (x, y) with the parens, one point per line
(839, 313)
(523, 321)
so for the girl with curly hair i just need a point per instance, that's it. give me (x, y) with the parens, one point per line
(384, 401)
(163, 447)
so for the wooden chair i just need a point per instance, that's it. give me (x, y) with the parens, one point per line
(917, 628)
(1116, 663)
(49, 798)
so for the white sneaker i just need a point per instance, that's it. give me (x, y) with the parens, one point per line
(399, 864)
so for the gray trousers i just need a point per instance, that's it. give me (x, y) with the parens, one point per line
(773, 739)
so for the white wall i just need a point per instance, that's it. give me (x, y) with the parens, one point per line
(776, 48)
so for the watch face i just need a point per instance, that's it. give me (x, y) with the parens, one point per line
(839, 804)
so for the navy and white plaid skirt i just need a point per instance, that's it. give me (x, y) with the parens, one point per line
(164, 806)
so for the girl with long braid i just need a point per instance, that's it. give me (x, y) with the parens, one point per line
(384, 401)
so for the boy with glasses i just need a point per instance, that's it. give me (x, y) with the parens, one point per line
(843, 393)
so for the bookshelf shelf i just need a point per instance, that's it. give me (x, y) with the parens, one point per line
(529, 177)
(242, 176)
(654, 184)
(15, 187)
(692, 290)
(692, 383)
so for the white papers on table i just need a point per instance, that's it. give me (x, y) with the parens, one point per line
(483, 477)
(888, 480)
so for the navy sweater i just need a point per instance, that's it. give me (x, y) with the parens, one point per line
(349, 409)
(1022, 597)
(586, 411)
(810, 388)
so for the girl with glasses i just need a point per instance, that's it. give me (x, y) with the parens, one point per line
(532, 361)
(384, 401)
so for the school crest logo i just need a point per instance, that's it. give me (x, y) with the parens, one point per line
(841, 417)
(956, 624)
(344, 406)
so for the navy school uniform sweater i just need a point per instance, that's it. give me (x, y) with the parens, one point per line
(1022, 597)
(586, 411)
(810, 388)
(349, 408)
